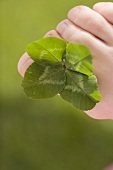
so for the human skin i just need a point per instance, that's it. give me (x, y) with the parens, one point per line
(109, 167)
(93, 28)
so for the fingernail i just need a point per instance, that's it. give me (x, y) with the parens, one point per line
(72, 14)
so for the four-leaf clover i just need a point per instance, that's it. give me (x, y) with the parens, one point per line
(61, 68)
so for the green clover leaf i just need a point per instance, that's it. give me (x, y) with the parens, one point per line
(61, 68)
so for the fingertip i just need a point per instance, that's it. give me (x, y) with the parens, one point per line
(105, 9)
(24, 62)
(52, 33)
(100, 5)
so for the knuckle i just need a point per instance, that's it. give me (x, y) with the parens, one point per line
(86, 39)
(68, 33)
(76, 35)
(92, 22)
(81, 38)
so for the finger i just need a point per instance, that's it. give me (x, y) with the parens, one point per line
(72, 33)
(24, 62)
(52, 33)
(92, 22)
(105, 9)
(101, 111)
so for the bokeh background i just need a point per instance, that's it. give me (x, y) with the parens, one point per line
(43, 134)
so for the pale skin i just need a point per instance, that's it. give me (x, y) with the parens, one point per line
(93, 28)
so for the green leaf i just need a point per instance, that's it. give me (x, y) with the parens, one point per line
(78, 90)
(61, 68)
(42, 82)
(49, 49)
(85, 66)
(78, 58)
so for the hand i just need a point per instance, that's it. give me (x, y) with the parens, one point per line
(94, 29)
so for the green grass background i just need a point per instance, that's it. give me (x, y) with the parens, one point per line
(43, 134)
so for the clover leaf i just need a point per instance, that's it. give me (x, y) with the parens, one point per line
(63, 68)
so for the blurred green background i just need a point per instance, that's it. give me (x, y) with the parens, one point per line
(43, 134)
